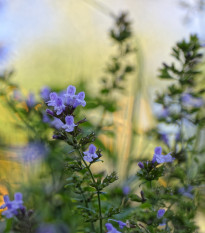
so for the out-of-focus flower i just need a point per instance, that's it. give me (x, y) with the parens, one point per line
(90, 154)
(45, 92)
(163, 223)
(160, 213)
(111, 229)
(12, 206)
(141, 165)
(159, 158)
(190, 101)
(165, 139)
(34, 151)
(57, 123)
(168, 132)
(45, 118)
(160, 111)
(187, 192)
(17, 95)
(6, 201)
(126, 190)
(121, 224)
(31, 100)
(69, 124)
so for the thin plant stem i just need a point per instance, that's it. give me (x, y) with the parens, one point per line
(98, 192)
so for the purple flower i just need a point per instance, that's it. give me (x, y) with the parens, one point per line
(160, 213)
(159, 158)
(90, 154)
(44, 93)
(190, 101)
(53, 96)
(111, 229)
(12, 206)
(70, 95)
(121, 224)
(57, 123)
(31, 101)
(59, 107)
(187, 192)
(18, 201)
(49, 112)
(45, 118)
(160, 111)
(126, 190)
(141, 165)
(69, 125)
(6, 201)
(33, 151)
(80, 100)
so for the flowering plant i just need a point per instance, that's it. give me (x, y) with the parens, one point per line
(163, 192)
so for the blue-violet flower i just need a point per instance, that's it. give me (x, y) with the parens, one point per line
(159, 158)
(90, 154)
(69, 125)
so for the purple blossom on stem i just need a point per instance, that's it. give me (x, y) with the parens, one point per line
(69, 125)
(49, 112)
(12, 206)
(160, 213)
(159, 158)
(121, 224)
(90, 154)
(141, 165)
(80, 100)
(59, 107)
(111, 229)
(70, 95)
(53, 96)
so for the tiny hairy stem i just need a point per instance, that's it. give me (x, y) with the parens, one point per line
(98, 192)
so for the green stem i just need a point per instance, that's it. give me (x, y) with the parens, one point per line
(86, 205)
(98, 192)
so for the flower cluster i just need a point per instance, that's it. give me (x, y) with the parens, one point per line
(12, 206)
(63, 106)
(69, 99)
